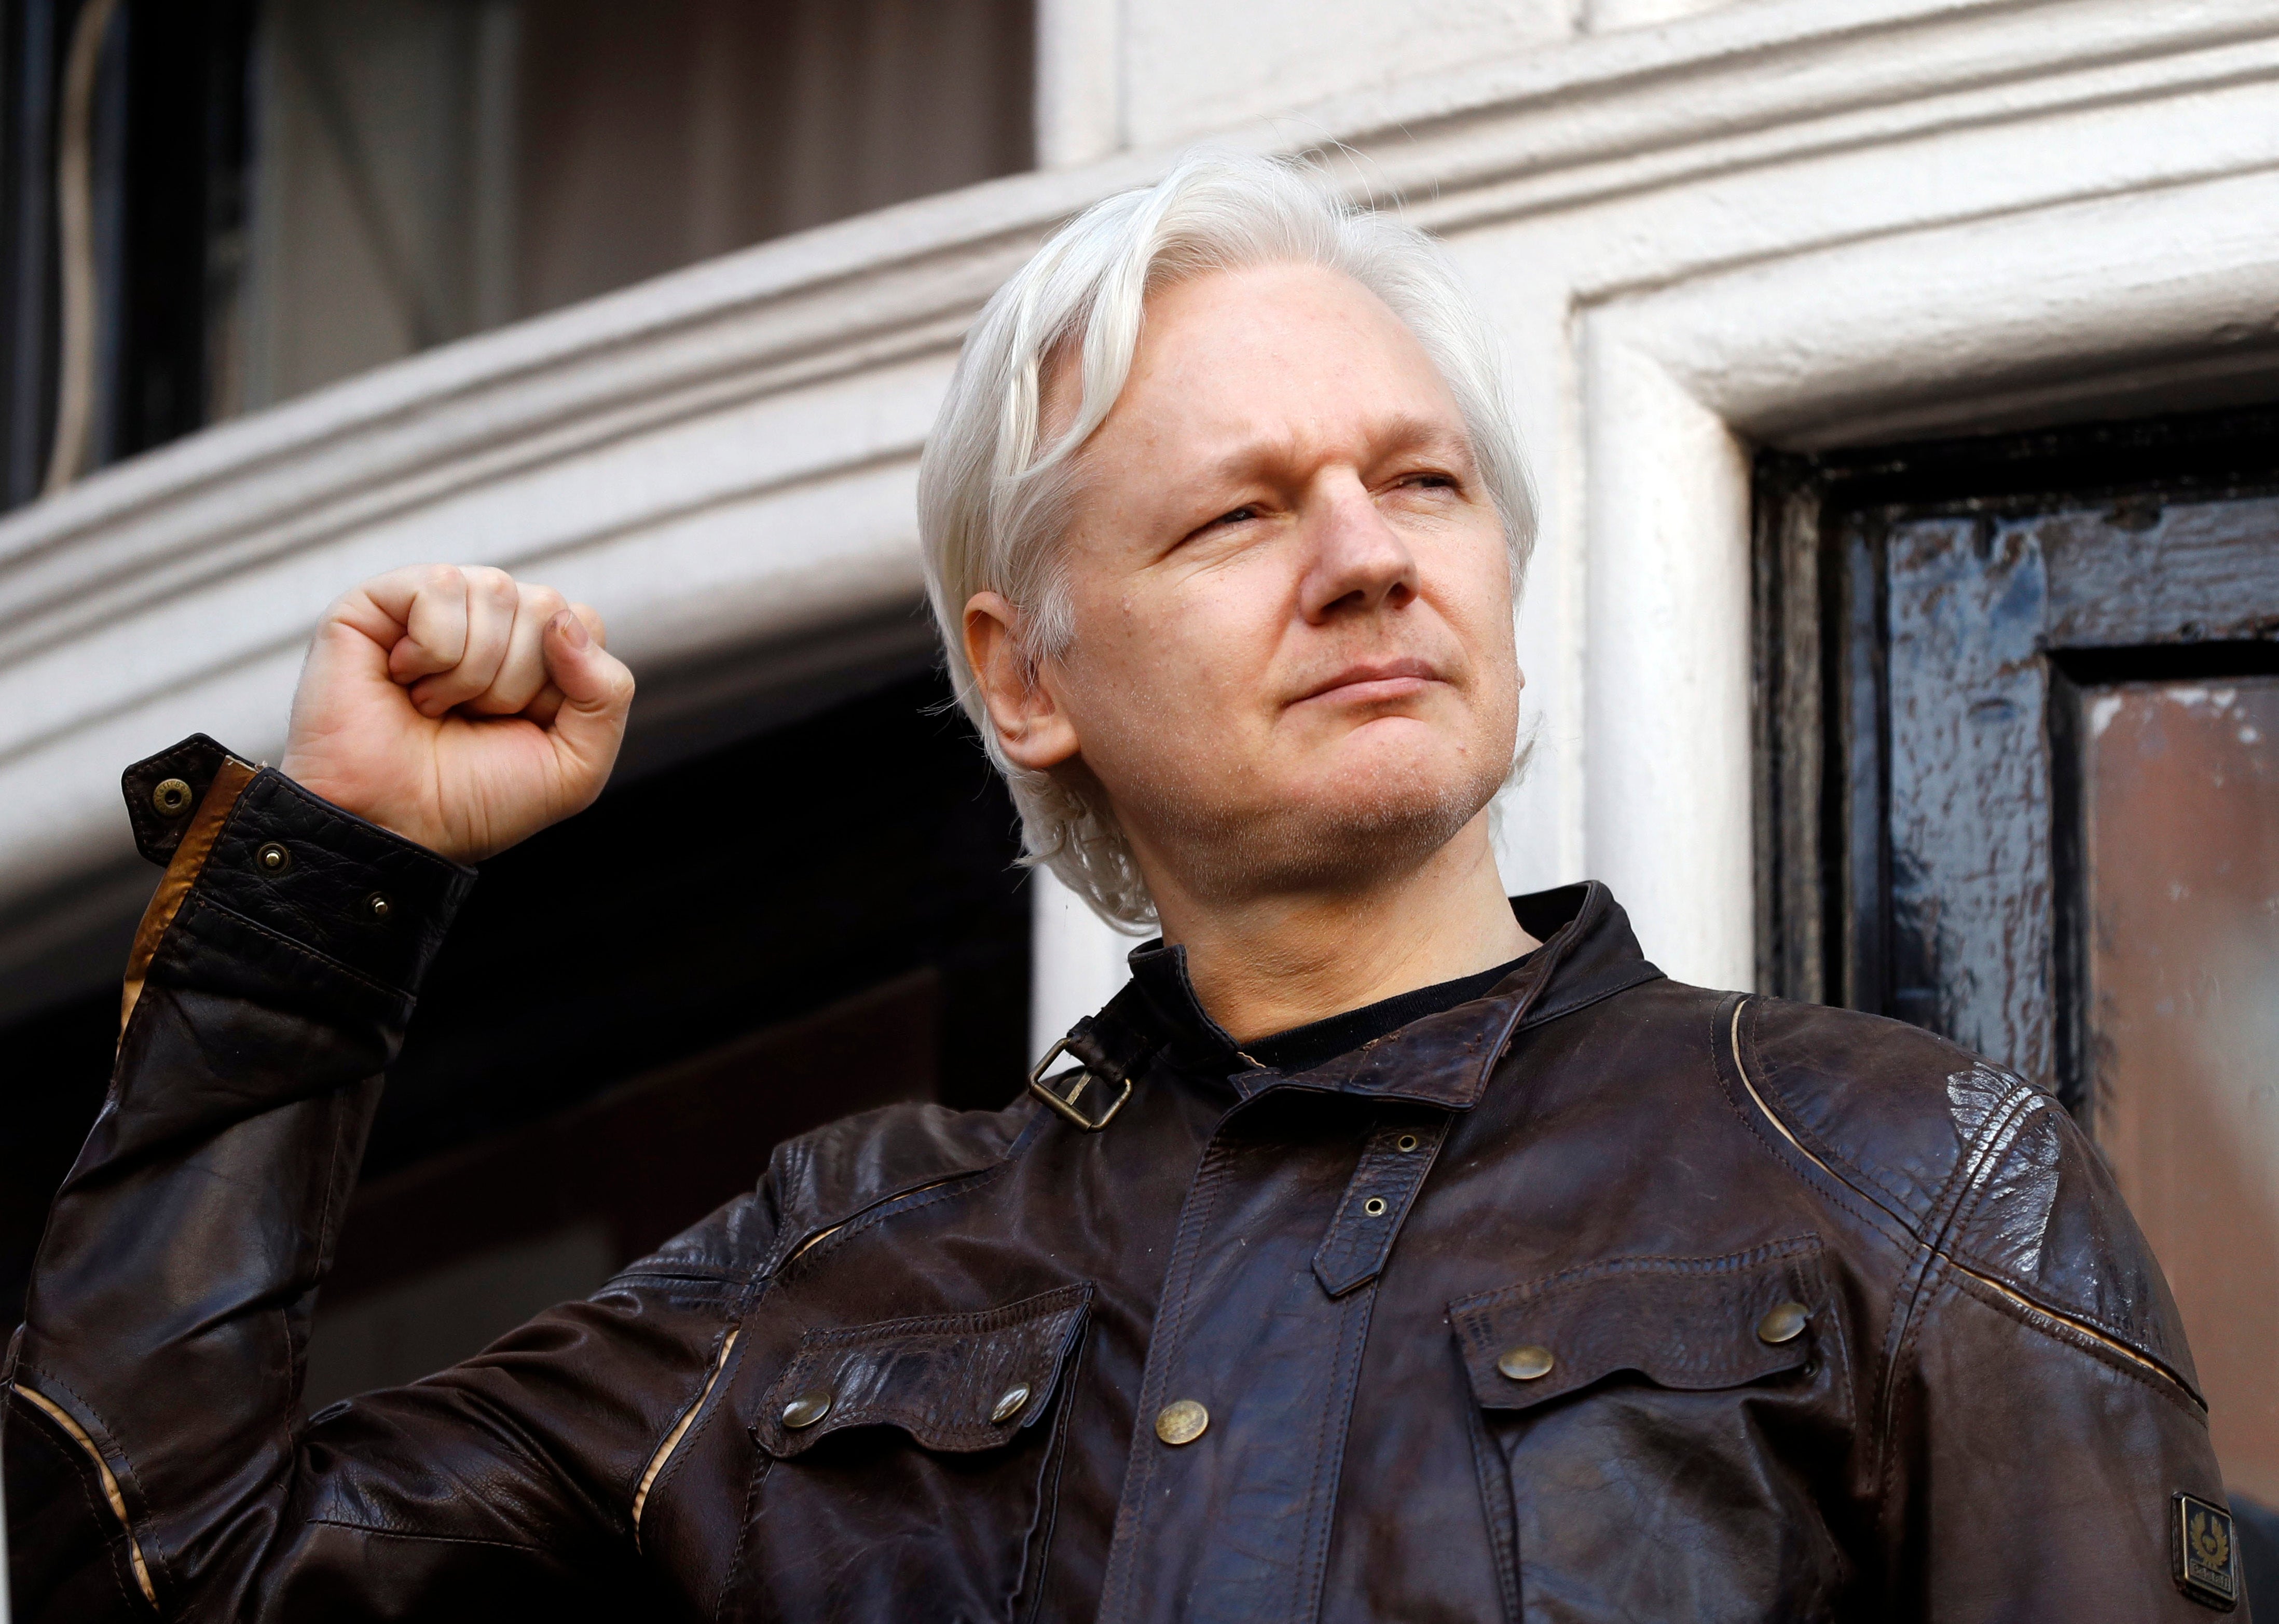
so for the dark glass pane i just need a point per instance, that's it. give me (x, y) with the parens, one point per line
(2180, 801)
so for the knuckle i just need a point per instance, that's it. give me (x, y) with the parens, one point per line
(493, 582)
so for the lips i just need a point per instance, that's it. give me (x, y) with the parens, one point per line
(1374, 679)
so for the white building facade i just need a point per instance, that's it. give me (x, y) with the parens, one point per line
(1702, 228)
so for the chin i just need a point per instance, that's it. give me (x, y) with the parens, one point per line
(1370, 818)
(1374, 803)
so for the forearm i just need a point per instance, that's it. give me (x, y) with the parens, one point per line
(168, 1309)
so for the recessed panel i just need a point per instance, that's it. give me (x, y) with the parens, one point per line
(2180, 801)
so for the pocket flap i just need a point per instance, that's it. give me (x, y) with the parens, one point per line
(1680, 1323)
(953, 1382)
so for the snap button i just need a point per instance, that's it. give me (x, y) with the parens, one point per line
(807, 1409)
(1181, 1422)
(1374, 1206)
(377, 907)
(273, 858)
(171, 798)
(1784, 1323)
(1009, 1405)
(1406, 1143)
(1526, 1363)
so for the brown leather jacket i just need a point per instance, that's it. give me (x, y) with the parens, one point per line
(1596, 1298)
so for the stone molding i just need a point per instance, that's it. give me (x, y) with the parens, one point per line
(1787, 220)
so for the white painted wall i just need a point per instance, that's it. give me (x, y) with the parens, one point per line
(1779, 221)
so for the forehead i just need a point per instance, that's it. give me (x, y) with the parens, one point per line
(1291, 354)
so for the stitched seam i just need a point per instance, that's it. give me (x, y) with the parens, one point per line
(1819, 1150)
(384, 1532)
(1842, 1195)
(2033, 1313)
(681, 1428)
(98, 1508)
(1910, 1293)
(865, 1218)
(1051, 1350)
(1045, 1306)
(1216, 1170)
(1694, 1266)
(78, 1434)
(208, 825)
(2001, 1140)
(1329, 1451)
(658, 1277)
(427, 856)
(1540, 1017)
(197, 904)
(1915, 1287)
(1882, 1458)
(297, 1357)
(785, 1251)
(705, 1415)
(1494, 1474)
(1981, 1159)
(1906, 1293)
(1391, 1170)
(730, 1589)
(1070, 1373)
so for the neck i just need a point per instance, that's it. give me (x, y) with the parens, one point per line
(1263, 964)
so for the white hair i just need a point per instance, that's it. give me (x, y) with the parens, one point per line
(993, 496)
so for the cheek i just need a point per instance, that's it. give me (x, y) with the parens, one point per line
(1477, 603)
(1167, 677)
(1474, 595)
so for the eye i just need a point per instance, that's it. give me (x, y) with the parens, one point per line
(1233, 516)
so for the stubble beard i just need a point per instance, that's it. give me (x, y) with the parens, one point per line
(1372, 829)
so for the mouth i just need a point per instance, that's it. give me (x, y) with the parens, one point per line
(1374, 682)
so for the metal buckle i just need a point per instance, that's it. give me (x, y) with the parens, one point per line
(1065, 1103)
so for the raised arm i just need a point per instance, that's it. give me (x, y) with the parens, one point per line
(158, 1461)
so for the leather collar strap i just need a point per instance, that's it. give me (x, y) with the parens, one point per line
(1110, 1047)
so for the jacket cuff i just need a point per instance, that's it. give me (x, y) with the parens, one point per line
(253, 843)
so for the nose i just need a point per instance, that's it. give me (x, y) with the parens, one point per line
(1358, 562)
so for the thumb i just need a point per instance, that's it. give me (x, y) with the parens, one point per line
(597, 691)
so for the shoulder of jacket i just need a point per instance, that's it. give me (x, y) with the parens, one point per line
(827, 1176)
(1888, 1106)
(1985, 1167)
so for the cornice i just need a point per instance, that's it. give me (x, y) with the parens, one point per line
(804, 369)
(1558, 128)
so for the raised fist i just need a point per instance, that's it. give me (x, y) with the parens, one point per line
(457, 706)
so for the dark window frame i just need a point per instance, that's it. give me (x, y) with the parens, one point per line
(1822, 679)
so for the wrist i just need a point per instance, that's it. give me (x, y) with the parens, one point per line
(283, 875)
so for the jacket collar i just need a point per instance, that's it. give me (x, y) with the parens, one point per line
(1445, 1059)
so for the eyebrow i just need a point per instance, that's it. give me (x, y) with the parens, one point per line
(1393, 436)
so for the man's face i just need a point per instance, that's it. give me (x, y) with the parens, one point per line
(1292, 663)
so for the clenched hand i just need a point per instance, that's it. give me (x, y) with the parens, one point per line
(457, 706)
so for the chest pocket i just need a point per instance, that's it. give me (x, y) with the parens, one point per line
(905, 1466)
(1656, 1434)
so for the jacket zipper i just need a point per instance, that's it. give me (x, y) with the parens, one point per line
(657, 1461)
(2089, 1331)
(680, 1430)
(78, 1434)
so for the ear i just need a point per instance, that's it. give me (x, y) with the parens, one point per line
(1032, 729)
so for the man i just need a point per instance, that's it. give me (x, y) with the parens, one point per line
(1392, 1251)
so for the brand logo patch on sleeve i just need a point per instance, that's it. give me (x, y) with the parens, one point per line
(2208, 1557)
